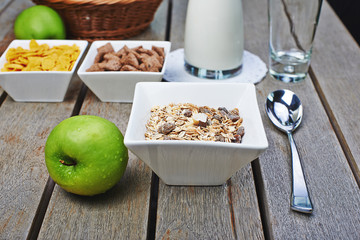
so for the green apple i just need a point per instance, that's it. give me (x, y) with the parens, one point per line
(39, 22)
(86, 155)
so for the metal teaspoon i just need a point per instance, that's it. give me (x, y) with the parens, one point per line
(285, 111)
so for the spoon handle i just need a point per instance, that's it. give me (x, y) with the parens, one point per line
(300, 200)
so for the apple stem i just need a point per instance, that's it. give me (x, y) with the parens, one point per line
(67, 164)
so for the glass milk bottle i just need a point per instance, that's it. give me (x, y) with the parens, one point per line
(214, 38)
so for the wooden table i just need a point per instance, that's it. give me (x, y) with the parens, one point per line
(253, 204)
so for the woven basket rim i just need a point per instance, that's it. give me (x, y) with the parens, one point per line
(94, 2)
(89, 19)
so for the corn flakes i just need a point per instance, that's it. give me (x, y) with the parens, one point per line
(41, 58)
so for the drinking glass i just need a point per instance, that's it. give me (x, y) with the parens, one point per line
(292, 26)
(214, 38)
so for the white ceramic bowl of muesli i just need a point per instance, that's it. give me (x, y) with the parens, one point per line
(111, 73)
(223, 118)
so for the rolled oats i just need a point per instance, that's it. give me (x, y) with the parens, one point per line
(186, 121)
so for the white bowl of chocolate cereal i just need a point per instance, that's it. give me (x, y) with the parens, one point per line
(195, 133)
(111, 69)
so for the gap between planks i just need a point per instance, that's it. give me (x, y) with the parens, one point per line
(335, 125)
(154, 189)
(50, 184)
(41, 210)
(3, 97)
(153, 203)
(261, 196)
(5, 6)
(232, 215)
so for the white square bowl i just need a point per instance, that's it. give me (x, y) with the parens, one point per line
(185, 162)
(38, 86)
(119, 86)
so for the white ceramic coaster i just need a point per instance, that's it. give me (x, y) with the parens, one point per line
(253, 71)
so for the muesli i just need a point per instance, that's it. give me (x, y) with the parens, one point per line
(186, 121)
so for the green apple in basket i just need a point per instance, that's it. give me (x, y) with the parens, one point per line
(39, 22)
(86, 155)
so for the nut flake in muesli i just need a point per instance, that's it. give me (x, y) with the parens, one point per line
(186, 121)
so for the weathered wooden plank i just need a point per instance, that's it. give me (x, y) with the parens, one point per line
(334, 192)
(194, 213)
(24, 128)
(6, 41)
(23, 131)
(248, 223)
(4, 4)
(8, 17)
(122, 212)
(224, 212)
(336, 63)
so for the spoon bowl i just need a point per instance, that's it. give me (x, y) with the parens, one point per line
(285, 111)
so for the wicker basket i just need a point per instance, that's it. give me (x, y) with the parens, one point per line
(104, 19)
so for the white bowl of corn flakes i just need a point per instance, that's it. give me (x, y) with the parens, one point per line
(111, 69)
(39, 70)
(195, 133)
